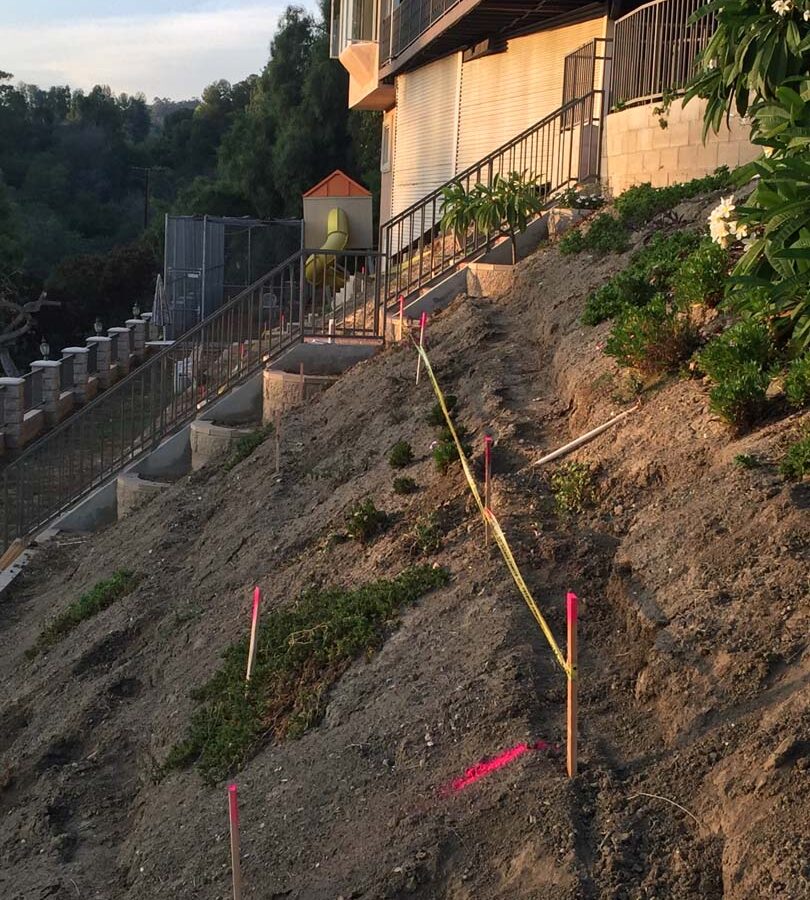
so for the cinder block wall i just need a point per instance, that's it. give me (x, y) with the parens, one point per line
(636, 149)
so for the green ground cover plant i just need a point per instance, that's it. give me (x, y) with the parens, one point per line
(364, 521)
(740, 398)
(102, 595)
(436, 416)
(797, 381)
(572, 487)
(246, 445)
(654, 339)
(740, 363)
(635, 208)
(795, 464)
(701, 277)
(426, 536)
(301, 652)
(405, 485)
(401, 455)
(650, 271)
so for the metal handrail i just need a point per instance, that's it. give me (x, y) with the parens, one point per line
(294, 301)
(655, 50)
(553, 152)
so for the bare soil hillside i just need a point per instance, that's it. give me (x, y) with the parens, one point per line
(695, 703)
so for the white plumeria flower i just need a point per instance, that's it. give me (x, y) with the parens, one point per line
(740, 230)
(806, 15)
(726, 207)
(782, 7)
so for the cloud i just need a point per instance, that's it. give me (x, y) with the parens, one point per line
(165, 54)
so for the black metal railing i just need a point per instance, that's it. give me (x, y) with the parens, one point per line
(298, 299)
(407, 22)
(581, 73)
(66, 373)
(2, 407)
(553, 153)
(32, 390)
(655, 50)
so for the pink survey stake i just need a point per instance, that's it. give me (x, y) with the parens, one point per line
(233, 805)
(572, 606)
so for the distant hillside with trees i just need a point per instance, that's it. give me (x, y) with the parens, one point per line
(73, 174)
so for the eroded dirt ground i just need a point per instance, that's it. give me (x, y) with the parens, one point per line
(693, 574)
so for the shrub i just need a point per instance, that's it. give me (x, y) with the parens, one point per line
(245, 446)
(445, 453)
(701, 276)
(301, 652)
(436, 416)
(364, 521)
(747, 341)
(739, 397)
(640, 204)
(426, 535)
(747, 461)
(650, 271)
(401, 455)
(796, 463)
(98, 598)
(797, 381)
(606, 234)
(405, 485)
(655, 338)
(572, 487)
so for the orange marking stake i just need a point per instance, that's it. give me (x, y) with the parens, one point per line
(572, 611)
(254, 627)
(487, 483)
(422, 326)
(236, 865)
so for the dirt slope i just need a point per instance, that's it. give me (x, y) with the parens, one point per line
(694, 579)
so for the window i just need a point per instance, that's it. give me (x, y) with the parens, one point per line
(385, 147)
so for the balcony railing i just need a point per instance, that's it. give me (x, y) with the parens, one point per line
(655, 50)
(407, 22)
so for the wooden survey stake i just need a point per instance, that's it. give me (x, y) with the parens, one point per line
(254, 627)
(487, 483)
(573, 682)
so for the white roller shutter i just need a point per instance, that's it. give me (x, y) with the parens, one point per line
(426, 130)
(503, 94)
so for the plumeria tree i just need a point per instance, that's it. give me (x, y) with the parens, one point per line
(758, 64)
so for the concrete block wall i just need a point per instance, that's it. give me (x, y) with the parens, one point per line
(636, 149)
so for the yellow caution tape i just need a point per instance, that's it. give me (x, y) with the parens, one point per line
(488, 516)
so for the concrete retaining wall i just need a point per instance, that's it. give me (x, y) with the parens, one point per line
(210, 441)
(637, 149)
(283, 391)
(132, 492)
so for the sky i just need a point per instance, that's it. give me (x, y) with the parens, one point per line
(161, 48)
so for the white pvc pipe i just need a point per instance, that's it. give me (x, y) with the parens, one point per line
(583, 439)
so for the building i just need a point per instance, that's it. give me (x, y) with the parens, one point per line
(576, 87)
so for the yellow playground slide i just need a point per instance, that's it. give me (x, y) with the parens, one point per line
(321, 269)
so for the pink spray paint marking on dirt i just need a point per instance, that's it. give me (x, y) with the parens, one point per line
(488, 766)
